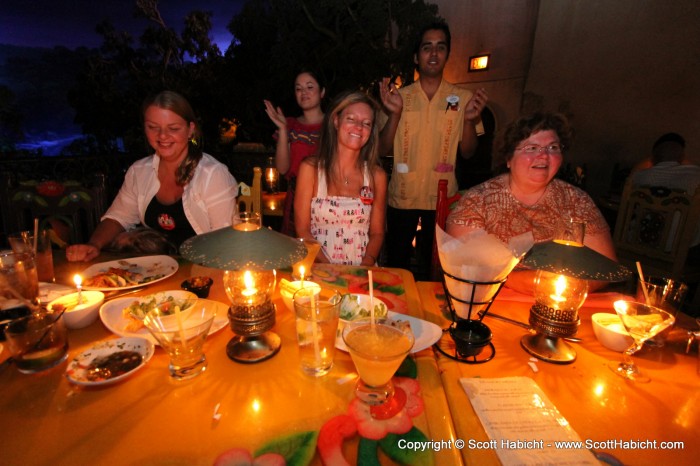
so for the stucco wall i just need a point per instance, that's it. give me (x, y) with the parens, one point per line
(627, 71)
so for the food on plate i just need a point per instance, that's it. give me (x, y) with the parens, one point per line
(357, 306)
(116, 277)
(137, 310)
(112, 365)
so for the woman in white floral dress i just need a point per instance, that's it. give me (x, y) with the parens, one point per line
(341, 193)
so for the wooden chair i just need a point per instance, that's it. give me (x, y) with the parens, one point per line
(252, 203)
(74, 206)
(442, 210)
(656, 226)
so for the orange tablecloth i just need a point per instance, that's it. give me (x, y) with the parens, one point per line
(148, 419)
(598, 404)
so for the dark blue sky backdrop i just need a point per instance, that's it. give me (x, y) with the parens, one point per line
(48, 119)
(71, 23)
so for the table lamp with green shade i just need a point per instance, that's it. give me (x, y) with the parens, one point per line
(250, 255)
(561, 287)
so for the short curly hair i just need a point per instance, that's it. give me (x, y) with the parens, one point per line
(525, 126)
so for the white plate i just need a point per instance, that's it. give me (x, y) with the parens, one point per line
(149, 266)
(426, 333)
(113, 318)
(76, 371)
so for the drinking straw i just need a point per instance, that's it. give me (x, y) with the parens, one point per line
(36, 235)
(314, 329)
(644, 285)
(371, 298)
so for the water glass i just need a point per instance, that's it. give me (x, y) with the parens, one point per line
(18, 278)
(570, 231)
(181, 332)
(317, 313)
(37, 342)
(43, 256)
(665, 294)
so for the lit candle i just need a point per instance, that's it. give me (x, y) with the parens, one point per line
(249, 283)
(559, 289)
(301, 274)
(79, 284)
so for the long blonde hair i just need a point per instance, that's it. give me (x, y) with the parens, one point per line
(328, 143)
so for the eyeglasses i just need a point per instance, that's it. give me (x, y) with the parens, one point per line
(532, 149)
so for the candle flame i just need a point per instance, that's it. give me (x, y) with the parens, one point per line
(77, 279)
(559, 289)
(248, 280)
(560, 285)
(249, 283)
(302, 272)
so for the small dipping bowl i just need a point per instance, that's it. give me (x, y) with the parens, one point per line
(610, 331)
(199, 285)
(470, 337)
(78, 315)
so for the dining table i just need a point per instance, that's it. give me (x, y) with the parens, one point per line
(230, 408)
(623, 422)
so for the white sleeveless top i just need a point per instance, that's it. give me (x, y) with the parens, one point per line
(340, 224)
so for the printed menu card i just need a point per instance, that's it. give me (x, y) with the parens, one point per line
(523, 426)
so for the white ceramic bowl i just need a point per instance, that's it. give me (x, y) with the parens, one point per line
(79, 315)
(610, 331)
(287, 290)
(357, 306)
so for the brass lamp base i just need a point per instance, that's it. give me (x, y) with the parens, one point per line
(252, 349)
(550, 349)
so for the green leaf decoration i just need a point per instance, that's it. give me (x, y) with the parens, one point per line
(389, 445)
(84, 196)
(41, 201)
(408, 368)
(64, 201)
(22, 196)
(367, 452)
(31, 183)
(397, 290)
(340, 281)
(71, 183)
(297, 449)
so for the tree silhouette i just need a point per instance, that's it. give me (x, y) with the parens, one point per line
(351, 43)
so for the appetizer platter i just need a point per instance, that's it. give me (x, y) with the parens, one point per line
(121, 316)
(125, 274)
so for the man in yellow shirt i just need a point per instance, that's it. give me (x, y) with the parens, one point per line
(429, 122)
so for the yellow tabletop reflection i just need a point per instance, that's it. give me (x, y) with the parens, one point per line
(149, 419)
(599, 405)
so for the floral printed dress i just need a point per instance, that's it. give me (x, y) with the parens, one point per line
(340, 224)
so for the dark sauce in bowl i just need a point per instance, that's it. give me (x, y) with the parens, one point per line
(113, 365)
